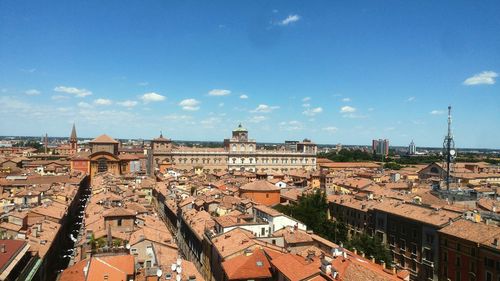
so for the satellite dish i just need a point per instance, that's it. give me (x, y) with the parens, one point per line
(178, 278)
(159, 273)
(127, 246)
(452, 152)
(179, 261)
(174, 266)
(179, 270)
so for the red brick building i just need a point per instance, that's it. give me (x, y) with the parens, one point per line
(262, 192)
(469, 251)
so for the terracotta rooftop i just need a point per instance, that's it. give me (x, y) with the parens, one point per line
(113, 268)
(118, 212)
(475, 232)
(259, 185)
(104, 139)
(289, 265)
(12, 249)
(268, 210)
(254, 266)
(430, 216)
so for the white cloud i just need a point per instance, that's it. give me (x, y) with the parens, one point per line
(103, 102)
(290, 19)
(264, 108)
(347, 109)
(257, 119)
(152, 97)
(293, 125)
(437, 112)
(127, 103)
(346, 99)
(306, 99)
(80, 93)
(483, 78)
(210, 122)
(84, 105)
(32, 92)
(330, 129)
(145, 83)
(177, 117)
(306, 105)
(243, 97)
(221, 104)
(190, 104)
(219, 92)
(410, 99)
(58, 97)
(313, 111)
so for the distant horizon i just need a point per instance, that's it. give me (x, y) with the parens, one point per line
(258, 142)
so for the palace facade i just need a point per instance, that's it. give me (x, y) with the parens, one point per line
(239, 153)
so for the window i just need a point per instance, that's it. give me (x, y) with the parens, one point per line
(473, 252)
(457, 276)
(119, 222)
(267, 195)
(262, 231)
(402, 245)
(392, 240)
(414, 248)
(458, 247)
(489, 277)
(413, 266)
(445, 256)
(473, 266)
(102, 165)
(457, 262)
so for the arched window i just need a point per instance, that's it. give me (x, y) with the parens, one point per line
(234, 147)
(434, 170)
(102, 165)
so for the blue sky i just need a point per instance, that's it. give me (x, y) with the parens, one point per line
(333, 71)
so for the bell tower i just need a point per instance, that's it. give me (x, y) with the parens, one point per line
(73, 140)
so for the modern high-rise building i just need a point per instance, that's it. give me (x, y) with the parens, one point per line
(380, 147)
(412, 149)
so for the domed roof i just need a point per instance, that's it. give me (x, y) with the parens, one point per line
(240, 129)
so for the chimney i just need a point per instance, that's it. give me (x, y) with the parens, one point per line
(362, 254)
(382, 263)
(2, 248)
(355, 251)
(495, 242)
(372, 258)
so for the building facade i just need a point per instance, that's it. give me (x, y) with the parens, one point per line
(380, 147)
(239, 153)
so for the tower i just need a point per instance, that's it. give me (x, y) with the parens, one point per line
(412, 149)
(73, 140)
(46, 143)
(449, 152)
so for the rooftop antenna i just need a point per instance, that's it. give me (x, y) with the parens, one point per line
(449, 151)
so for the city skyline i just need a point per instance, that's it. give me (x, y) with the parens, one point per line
(330, 73)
